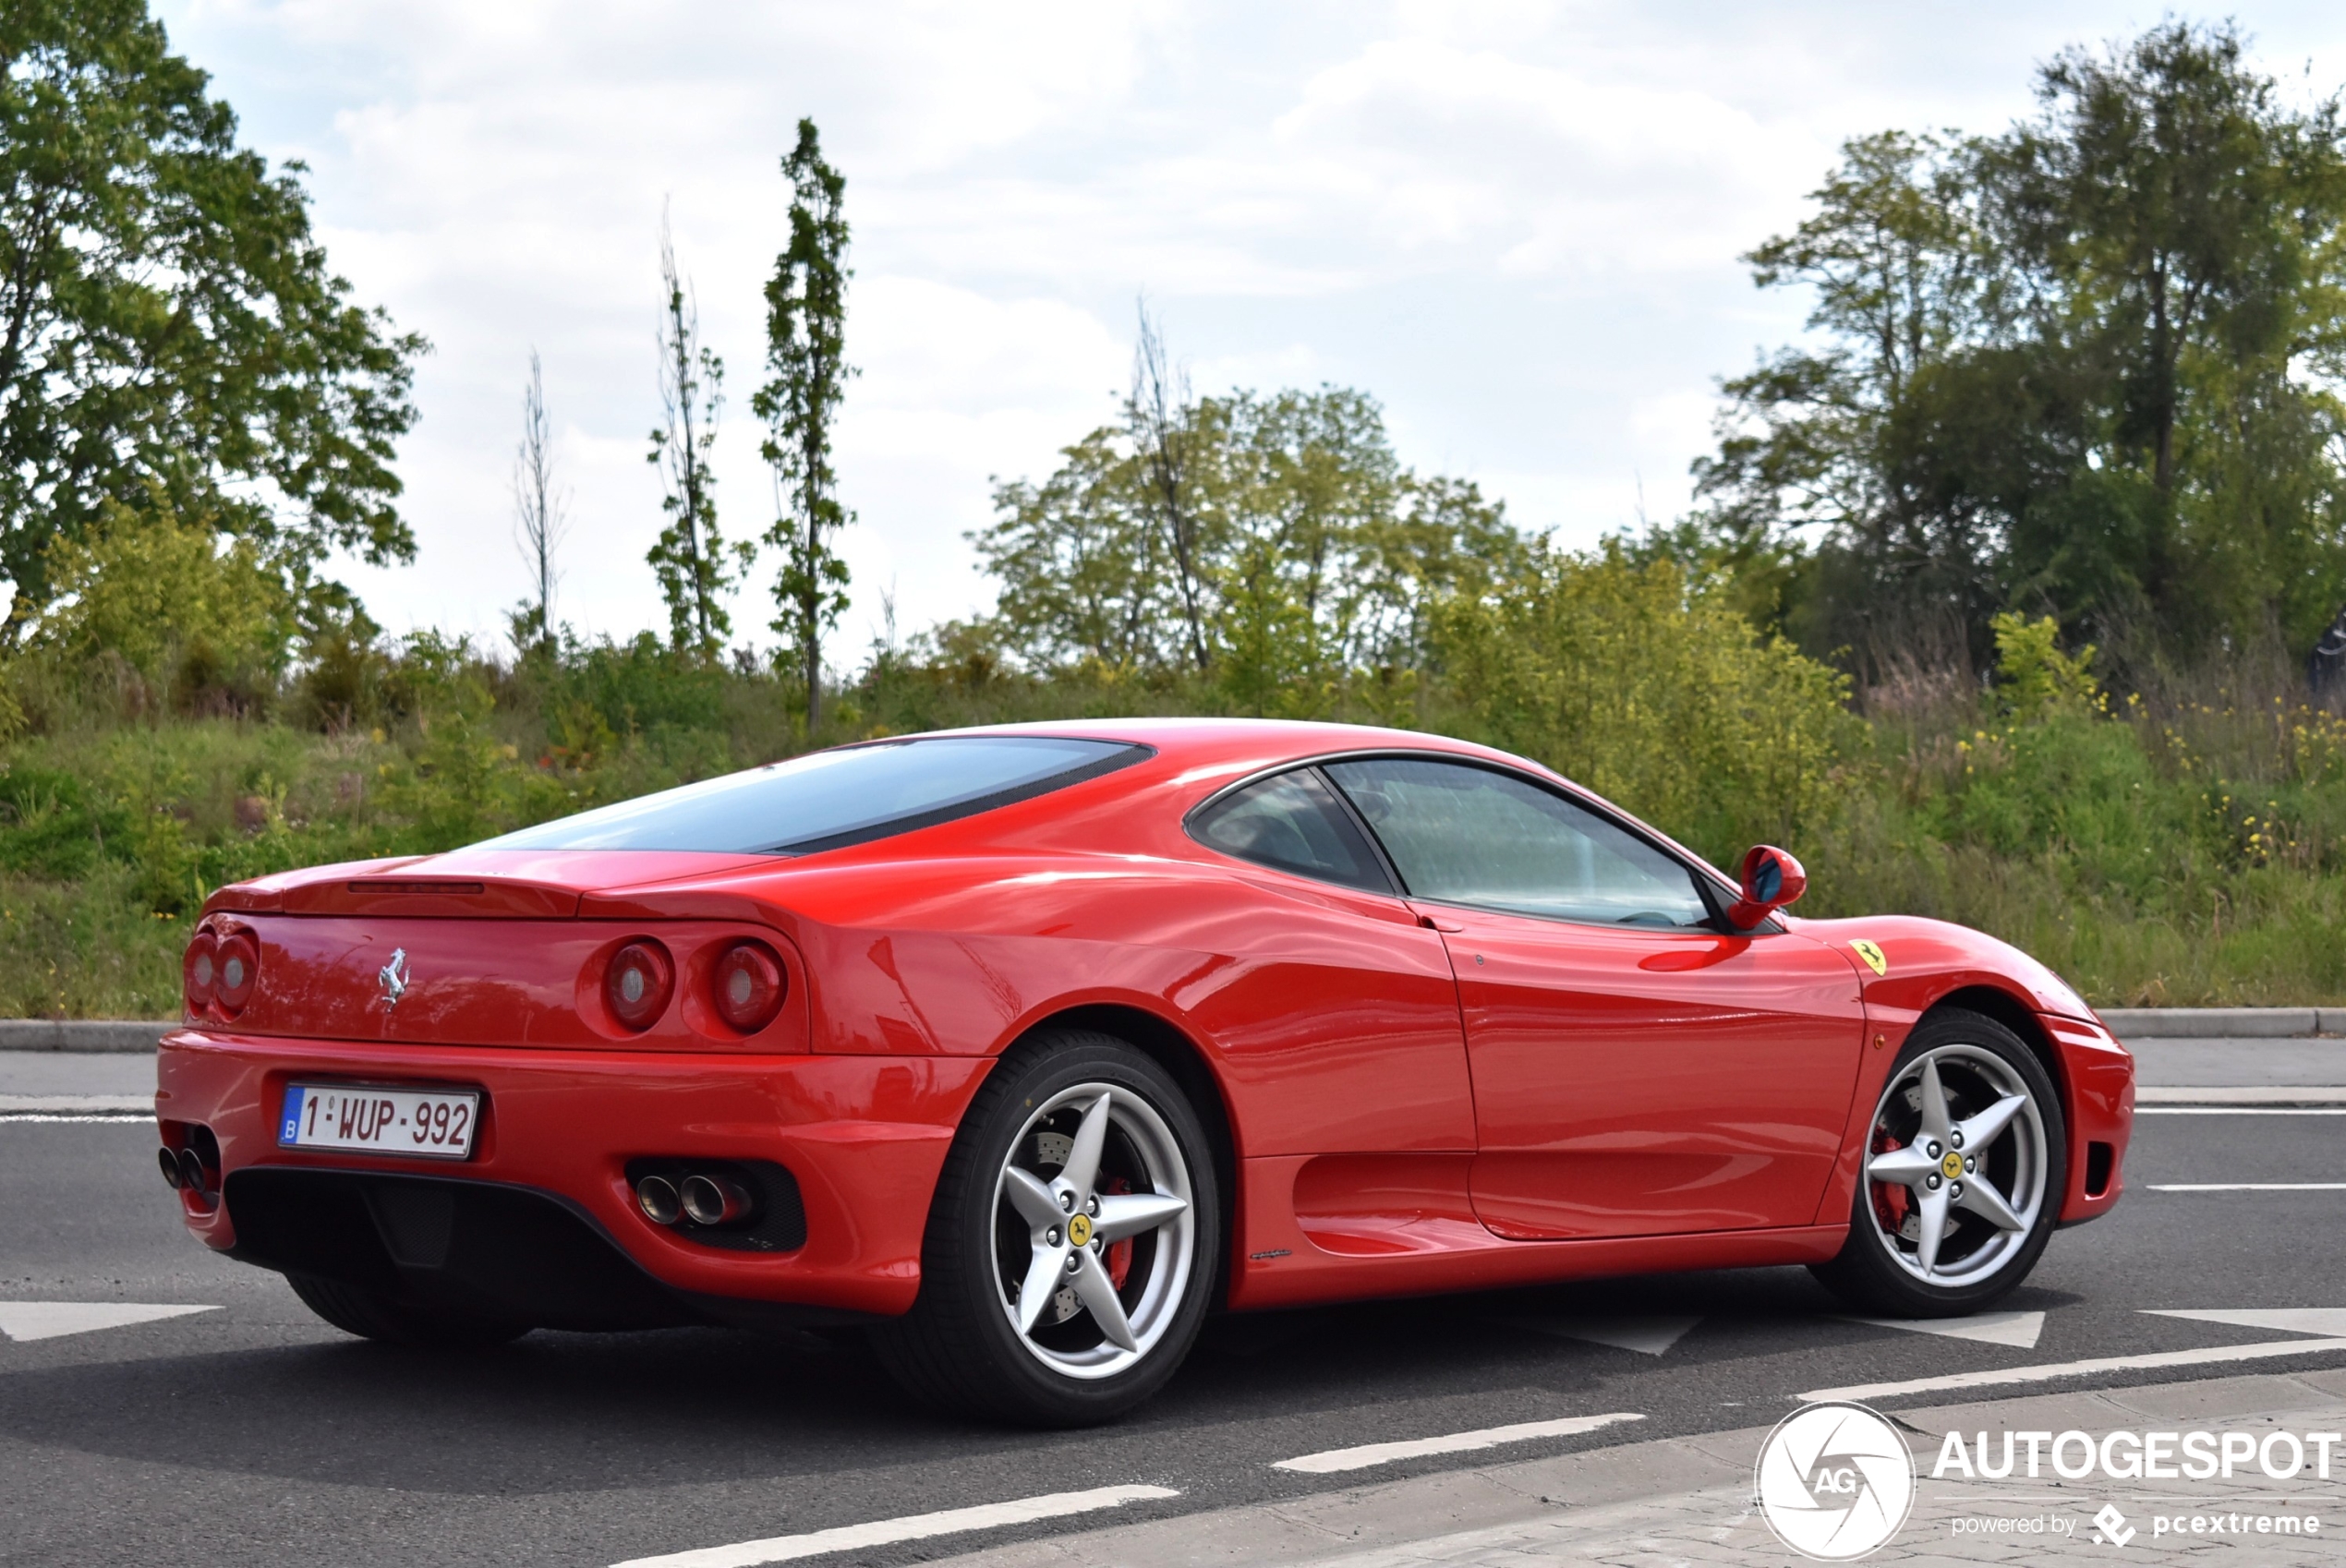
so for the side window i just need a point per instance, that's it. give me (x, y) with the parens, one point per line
(1291, 822)
(1471, 836)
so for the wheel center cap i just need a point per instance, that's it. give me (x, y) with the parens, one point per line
(1079, 1228)
(1951, 1166)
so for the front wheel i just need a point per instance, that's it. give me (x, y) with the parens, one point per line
(1966, 1162)
(1071, 1244)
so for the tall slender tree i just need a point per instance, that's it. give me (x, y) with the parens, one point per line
(694, 566)
(1160, 416)
(539, 520)
(805, 356)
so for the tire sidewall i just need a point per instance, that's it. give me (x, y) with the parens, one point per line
(1863, 1261)
(965, 1214)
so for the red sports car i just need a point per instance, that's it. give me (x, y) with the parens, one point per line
(1026, 1047)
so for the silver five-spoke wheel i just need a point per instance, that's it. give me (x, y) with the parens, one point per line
(1956, 1166)
(1094, 1232)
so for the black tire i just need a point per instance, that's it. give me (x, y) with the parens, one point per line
(1865, 1273)
(959, 1349)
(373, 1314)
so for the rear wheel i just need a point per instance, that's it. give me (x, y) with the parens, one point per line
(1966, 1165)
(375, 1314)
(1071, 1244)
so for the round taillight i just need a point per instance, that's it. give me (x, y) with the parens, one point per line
(747, 985)
(200, 971)
(240, 961)
(636, 985)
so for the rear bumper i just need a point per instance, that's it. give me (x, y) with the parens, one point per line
(863, 1136)
(2100, 1088)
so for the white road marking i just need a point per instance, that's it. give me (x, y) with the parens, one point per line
(53, 1320)
(913, 1527)
(2251, 1094)
(83, 1105)
(1337, 1459)
(2289, 1319)
(2249, 1187)
(2003, 1375)
(1647, 1336)
(2020, 1330)
(2240, 1110)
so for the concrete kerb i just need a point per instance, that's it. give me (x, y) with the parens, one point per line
(112, 1035)
(2222, 1023)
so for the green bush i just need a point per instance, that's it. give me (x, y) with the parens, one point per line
(1620, 677)
(2179, 851)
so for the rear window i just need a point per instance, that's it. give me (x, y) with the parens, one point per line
(827, 800)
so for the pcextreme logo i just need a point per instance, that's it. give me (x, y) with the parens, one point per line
(1834, 1481)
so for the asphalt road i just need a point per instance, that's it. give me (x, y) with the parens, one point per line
(253, 1433)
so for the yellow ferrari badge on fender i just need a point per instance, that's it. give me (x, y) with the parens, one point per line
(1872, 955)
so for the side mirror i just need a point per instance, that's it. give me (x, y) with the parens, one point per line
(1771, 880)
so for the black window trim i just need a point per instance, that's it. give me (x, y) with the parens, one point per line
(1711, 885)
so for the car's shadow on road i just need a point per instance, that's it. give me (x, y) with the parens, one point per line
(562, 1412)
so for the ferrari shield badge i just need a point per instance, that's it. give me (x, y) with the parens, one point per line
(1872, 955)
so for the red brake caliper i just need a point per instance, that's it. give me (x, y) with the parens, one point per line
(1120, 1253)
(1891, 1201)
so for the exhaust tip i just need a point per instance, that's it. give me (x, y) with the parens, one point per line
(657, 1198)
(193, 1177)
(714, 1200)
(170, 1163)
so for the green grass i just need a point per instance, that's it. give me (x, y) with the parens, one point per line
(2184, 855)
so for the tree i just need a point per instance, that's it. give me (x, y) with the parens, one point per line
(1081, 566)
(170, 331)
(2185, 232)
(539, 523)
(2087, 367)
(1161, 419)
(694, 566)
(805, 352)
(1311, 554)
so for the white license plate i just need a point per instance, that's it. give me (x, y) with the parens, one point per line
(435, 1123)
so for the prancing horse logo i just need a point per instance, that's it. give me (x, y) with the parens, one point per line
(394, 978)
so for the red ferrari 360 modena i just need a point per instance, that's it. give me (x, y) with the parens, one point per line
(1026, 1047)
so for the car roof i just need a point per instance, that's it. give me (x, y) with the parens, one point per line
(1200, 741)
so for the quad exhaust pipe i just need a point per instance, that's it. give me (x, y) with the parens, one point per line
(700, 1197)
(714, 1200)
(186, 1171)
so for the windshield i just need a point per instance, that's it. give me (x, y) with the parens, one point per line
(826, 800)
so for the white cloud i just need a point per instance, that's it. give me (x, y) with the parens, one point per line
(1515, 222)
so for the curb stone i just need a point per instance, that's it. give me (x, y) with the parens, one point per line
(83, 1034)
(2222, 1023)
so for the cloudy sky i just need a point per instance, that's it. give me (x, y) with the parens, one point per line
(1514, 223)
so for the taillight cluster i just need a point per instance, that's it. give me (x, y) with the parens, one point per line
(218, 972)
(746, 985)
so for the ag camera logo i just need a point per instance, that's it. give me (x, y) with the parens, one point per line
(1834, 1481)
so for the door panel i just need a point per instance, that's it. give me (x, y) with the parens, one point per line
(1633, 1082)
